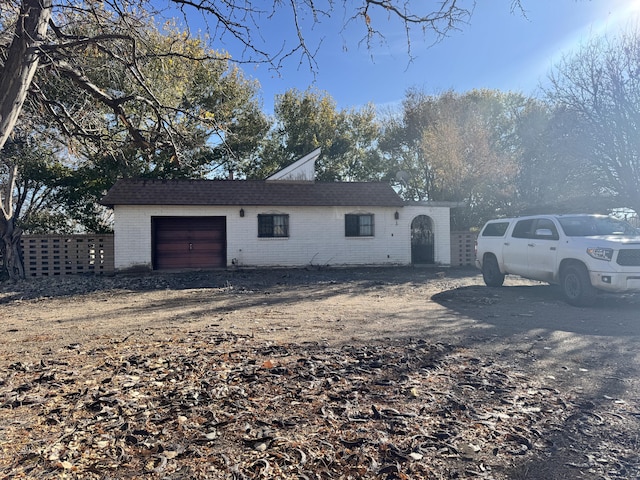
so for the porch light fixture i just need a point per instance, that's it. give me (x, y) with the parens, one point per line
(396, 215)
(242, 212)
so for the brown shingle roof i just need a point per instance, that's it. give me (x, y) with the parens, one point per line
(250, 192)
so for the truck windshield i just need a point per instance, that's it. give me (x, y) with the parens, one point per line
(591, 225)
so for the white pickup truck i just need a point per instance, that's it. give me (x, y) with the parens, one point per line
(581, 253)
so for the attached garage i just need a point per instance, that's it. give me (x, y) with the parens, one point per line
(189, 242)
(287, 220)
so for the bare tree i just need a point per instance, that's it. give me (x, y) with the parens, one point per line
(599, 85)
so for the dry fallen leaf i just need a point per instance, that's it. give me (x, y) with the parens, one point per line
(213, 406)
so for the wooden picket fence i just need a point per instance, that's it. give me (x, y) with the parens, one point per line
(53, 255)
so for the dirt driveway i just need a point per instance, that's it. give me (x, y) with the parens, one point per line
(588, 358)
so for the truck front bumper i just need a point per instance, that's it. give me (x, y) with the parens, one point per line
(616, 281)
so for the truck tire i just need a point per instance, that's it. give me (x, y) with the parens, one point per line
(491, 273)
(576, 286)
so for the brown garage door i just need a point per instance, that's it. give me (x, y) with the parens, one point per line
(189, 242)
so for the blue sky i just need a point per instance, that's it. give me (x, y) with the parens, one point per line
(497, 49)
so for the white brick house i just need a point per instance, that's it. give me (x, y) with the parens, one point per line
(287, 220)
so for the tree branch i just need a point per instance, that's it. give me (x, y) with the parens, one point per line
(21, 62)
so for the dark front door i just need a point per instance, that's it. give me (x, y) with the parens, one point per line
(189, 242)
(422, 241)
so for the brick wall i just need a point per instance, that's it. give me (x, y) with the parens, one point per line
(463, 249)
(316, 235)
(440, 218)
(51, 255)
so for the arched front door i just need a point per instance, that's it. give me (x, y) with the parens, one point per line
(422, 240)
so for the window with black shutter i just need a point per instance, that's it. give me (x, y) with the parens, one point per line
(358, 225)
(273, 226)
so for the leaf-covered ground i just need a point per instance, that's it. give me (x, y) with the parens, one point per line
(214, 405)
(202, 400)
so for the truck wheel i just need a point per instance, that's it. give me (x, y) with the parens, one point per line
(576, 286)
(491, 273)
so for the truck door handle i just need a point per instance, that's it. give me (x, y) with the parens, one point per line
(531, 244)
(506, 244)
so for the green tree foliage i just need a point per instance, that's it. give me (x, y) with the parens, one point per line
(401, 145)
(116, 95)
(206, 116)
(40, 34)
(598, 89)
(176, 111)
(30, 174)
(38, 208)
(459, 148)
(305, 121)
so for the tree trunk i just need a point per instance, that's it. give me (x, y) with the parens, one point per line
(15, 78)
(11, 243)
(21, 62)
(8, 232)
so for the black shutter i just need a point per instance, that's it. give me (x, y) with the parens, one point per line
(351, 225)
(265, 225)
